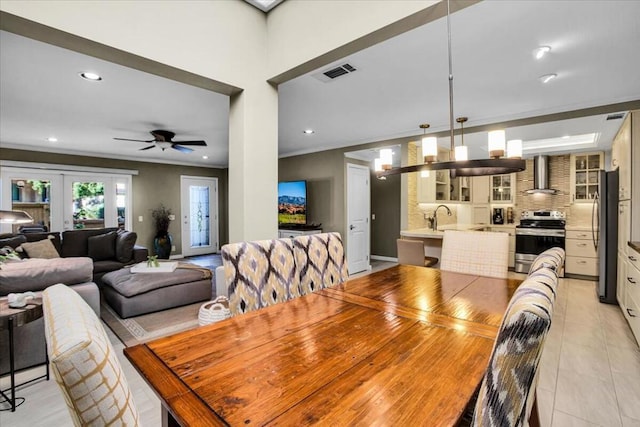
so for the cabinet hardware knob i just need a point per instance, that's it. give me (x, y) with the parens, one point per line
(632, 258)
(582, 245)
(630, 280)
(631, 312)
(582, 262)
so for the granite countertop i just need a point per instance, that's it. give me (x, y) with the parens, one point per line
(635, 246)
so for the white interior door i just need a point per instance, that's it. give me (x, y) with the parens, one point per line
(358, 212)
(199, 199)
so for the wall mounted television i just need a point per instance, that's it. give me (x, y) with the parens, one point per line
(292, 202)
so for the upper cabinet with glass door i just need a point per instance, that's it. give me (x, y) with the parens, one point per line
(438, 186)
(584, 176)
(503, 188)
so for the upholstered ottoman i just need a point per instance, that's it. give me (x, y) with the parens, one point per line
(132, 294)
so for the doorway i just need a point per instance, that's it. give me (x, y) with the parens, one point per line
(199, 210)
(358, 212)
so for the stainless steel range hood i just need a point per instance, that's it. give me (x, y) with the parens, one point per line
(541, 176)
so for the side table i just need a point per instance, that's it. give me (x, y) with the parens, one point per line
(11, 318)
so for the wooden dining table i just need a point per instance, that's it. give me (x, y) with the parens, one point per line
(403, 346)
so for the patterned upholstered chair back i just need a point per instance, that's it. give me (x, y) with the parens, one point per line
(551, 258)
(320, 261)
(507, 392)
(259, 274)
(84, 363)
(475, 252)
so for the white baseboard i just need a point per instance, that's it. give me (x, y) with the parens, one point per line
(384, 258)
(177, 256)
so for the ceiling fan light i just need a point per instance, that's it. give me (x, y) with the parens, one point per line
(496, 143)
(163, 144)
(386, 158)
(548, 77)
(461, 153)
(430, 149)
(514, 149)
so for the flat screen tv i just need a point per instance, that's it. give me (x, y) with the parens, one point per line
(292, 202)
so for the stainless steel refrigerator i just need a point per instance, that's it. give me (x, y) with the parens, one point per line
(604, 226)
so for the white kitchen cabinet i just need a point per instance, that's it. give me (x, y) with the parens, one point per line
(503, 188)
(630, 282)
(439, 187)
(581, 257)
(621, 158)
(290, 234)
(624, 226)
(481, 192)
(584, 176)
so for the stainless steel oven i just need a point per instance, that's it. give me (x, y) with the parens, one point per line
(537, 232)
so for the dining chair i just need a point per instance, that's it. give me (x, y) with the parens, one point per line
(482, 253)
(84, 362)
(411, 252)
(507, 395)
(320, 261)
(551, 258)
(259, 274)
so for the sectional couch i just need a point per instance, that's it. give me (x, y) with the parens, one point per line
(109, 248)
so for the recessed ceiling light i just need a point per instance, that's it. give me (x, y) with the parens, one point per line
(566, 137)
(308, 131)
(547, 78)
(541, 51)
(205, 157)
(52, 139)
(587, 140)
(87, 75)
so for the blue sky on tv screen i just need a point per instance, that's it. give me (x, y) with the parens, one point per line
(293, 189)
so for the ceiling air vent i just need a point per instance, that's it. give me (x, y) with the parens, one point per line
(616, 116)
(328, 75)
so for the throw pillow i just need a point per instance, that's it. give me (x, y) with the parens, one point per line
(40, 249)
(125, 242)
(14, 241)
(102, 246)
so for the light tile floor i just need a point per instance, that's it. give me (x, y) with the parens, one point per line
(589, 374)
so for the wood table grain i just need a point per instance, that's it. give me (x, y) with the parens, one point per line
(403, 346)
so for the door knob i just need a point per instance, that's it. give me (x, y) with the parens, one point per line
(351, 227)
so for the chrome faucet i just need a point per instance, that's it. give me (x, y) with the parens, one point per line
(434, 219)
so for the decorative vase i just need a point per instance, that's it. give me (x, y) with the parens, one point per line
(162, 245)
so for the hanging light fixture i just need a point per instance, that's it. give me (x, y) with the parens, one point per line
(514, 149)
(496, 165)
(386, 158)
(429, 145)
(461, 153)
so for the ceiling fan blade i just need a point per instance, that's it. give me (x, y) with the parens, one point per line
(147, 148)
(136, 140)
(202, 143)
(182, 149)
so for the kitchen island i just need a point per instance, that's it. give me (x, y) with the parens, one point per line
(432, 239)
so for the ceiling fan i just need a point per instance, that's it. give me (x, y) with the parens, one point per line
(164, 140)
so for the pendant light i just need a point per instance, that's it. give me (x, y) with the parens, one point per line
(461, 153)
(496, 165)
(386, 158)
(429, 145)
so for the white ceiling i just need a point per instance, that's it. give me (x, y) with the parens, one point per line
(398, 84)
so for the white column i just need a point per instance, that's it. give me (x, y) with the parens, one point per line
(253, 164)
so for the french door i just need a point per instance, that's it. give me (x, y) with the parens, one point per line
(199, 210)
(63, 200)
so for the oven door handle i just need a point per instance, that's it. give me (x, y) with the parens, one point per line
(539, 232)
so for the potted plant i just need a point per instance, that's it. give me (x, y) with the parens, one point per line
(162, 242)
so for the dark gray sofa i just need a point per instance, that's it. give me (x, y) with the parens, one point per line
(109, 248)
(36, 275)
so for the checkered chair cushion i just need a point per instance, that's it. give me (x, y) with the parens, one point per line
(84, 363)
(481, 253)
(551, 258)
(259, 274)
(320, 261)
(508, 389)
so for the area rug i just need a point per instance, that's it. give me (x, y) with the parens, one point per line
(140, 329)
